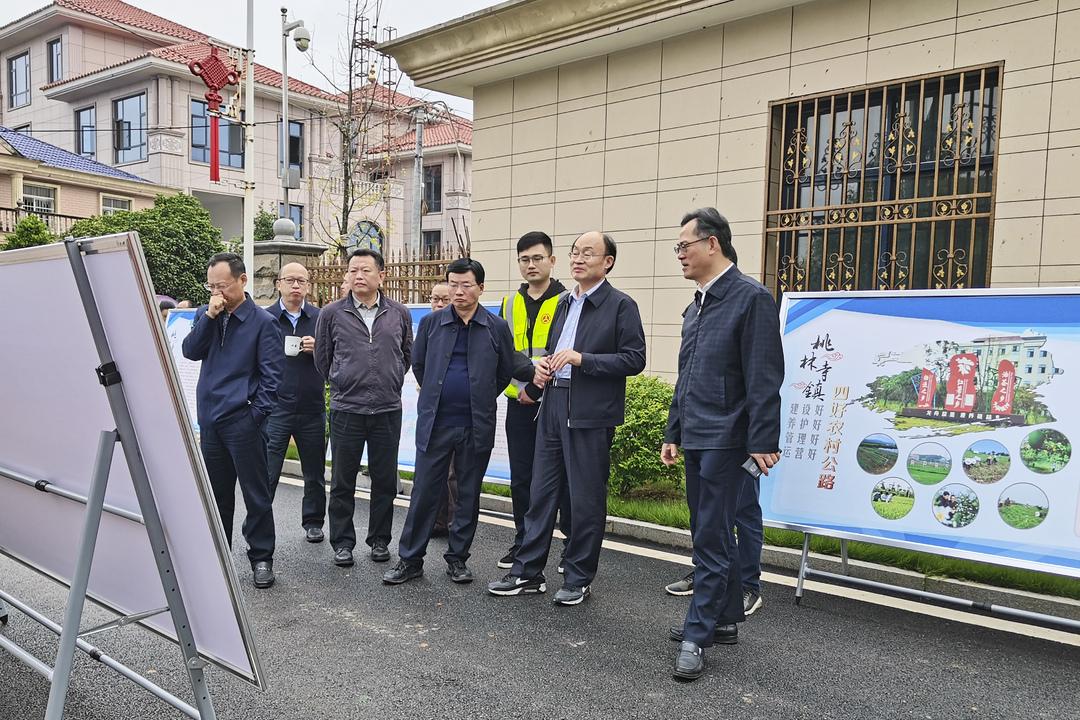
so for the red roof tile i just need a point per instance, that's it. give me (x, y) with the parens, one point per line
(126, 14)
(458, 130)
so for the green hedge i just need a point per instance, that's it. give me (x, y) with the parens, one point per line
(636, 470)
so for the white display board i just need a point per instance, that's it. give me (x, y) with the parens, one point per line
(54, 411)
(935, 421)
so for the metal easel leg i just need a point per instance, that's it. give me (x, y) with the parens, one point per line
(843, 556)
(804, 565)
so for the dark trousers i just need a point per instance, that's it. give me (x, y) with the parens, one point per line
(446, 445)
(580, 460)
(521, 447)
(444, 516)
(715, 482)
(233, 449)
(309, 431)
(750, 534)
(349, 432)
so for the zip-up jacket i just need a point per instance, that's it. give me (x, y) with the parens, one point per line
(365, 369)
(524, 328)
(611, 341)
(301, 389)
(241, 362)
(731, 366)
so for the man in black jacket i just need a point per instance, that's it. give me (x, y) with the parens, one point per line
(300, 412)
(596, 342)
(725, 411)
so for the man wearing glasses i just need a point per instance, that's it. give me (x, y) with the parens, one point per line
(596, 342)
(300, 413)
(529, 313)
(241, 353)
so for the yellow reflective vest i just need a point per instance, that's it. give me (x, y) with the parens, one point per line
(517, 317)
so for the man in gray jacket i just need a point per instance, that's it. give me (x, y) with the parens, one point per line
(363, 346)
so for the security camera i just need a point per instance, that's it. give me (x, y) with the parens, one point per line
(302, 38)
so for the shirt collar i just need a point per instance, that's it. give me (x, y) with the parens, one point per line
(303, 304)
(243, 309)
(360, 306)
(587, 293)
(705, 288)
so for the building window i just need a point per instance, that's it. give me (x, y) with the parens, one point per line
(19, 80)
(230, 138)
(110, 204)
(296, 214)
(24, 129)
(1042, 369)
(54, 50)
(1042, 353)
(431, 244)
(433, 188)
(1031, 353)
(39, 199)
(366, 234)
(86, 132)
(885, 188)
(129, 129)
(1027, 369)
(296, 147)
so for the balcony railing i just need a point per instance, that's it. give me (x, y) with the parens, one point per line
(59, 225)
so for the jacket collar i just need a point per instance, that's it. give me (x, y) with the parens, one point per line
(555, 288)
(243, 310)
(305, 308)
(449, 315)
(724, 283)
(597, 296)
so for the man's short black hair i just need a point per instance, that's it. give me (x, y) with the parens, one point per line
(373, 254)
(236, 263)
(465, 265)
(531, 239)
(710, 223)
(609, 249)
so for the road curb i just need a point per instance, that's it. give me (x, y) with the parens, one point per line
(788, 559)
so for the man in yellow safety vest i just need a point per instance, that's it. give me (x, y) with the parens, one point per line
(528, 312)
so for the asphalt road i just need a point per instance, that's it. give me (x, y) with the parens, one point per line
(339, 644)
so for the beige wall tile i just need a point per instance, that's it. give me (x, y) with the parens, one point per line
(582, 79)
(633, 67)
(492, 142)
(834, 74)
(1022, 143)
(1021, 176)
(633, 116)
(1014, 276)
(581, 126)
(1051, 275)
(1016, 241)
(757, 37)
(490, 225)
(751, 95)
(1067, 70)
(1067, 49)
(1061, 175)
(827, 52)
(828, 21)
(532, 217)
(688, 157)
(574, 218)
(629, 212)
(673, 204)
(978, 14)
(1025, 110)
(886, 15)
(693, 53)
(1065, 108)
(744, 201)
(692, 106)
(539, 88)
(917, 58)
(532, 178)
(690, 131)
(632, 141)
(632, 164)
(493, 183)
(582, 171)
(1021, 44)
(494, 99)
(1018, 209)
(743, 149)
(1059, 246)
(496, 271)
(535, 134)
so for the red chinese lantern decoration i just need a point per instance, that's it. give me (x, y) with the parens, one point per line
(216, 74)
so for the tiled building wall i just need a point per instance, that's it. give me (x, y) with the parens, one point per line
(629, 141)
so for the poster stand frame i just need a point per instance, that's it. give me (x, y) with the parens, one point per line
(959, 603)
(59, 676)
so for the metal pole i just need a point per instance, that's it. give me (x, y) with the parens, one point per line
(140, 480)
(249, 148)
(418, 171)
(47, 487)
(843, 556)
(65, 655)
(284, 117)
(804, 567)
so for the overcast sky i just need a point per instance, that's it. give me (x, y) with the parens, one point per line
(226, 20)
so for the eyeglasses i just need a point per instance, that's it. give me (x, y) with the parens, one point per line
(527, 260)
(293, 281)
(439, 298)
(587, 255)
(219, 287)
(466, 286)
(683, 246)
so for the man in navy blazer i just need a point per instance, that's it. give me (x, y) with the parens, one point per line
(242, 354)
(725, 410)
(463, 358)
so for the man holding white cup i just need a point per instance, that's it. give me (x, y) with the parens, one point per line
(300, 411)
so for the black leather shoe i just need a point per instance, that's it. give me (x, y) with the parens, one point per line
(263, 574)
(690, 662)
(379, 551)
(314, 535)
(459, 572)
(343, 557)
(402, 572)
(723, 635)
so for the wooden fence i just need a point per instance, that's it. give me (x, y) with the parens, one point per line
(408, 280)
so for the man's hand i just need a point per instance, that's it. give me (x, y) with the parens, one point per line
(524, 398)
(215, 306)
(543, 374)
(765, 461)
(307, 344)
(669, 454)
(563, 358)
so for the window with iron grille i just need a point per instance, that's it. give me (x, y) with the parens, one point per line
(39, 199)
(884, 188)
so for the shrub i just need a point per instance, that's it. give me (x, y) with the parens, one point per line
(30, 232)
(264, 225)
(636, 470)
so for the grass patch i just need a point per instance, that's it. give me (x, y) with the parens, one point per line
(495, 489)
(672, 513)
(926, 473)
(875, 460)
(952, 428)
(1022, 517)
(896, 508)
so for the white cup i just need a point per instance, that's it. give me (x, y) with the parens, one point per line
(292, 345)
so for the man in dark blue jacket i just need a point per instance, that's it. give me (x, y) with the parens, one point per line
(463, 358)
(725, 411)
(301, 410)
(596, 342)
(242, 354)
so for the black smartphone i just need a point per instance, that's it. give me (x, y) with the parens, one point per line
(752, 467)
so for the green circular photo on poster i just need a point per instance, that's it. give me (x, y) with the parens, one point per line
(1023, 506)
(877, 454)
(1045, 451)
(986, 461)
(892, 498)
(955, 506)
(929, 463)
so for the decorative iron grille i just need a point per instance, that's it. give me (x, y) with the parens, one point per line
(884, 188)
